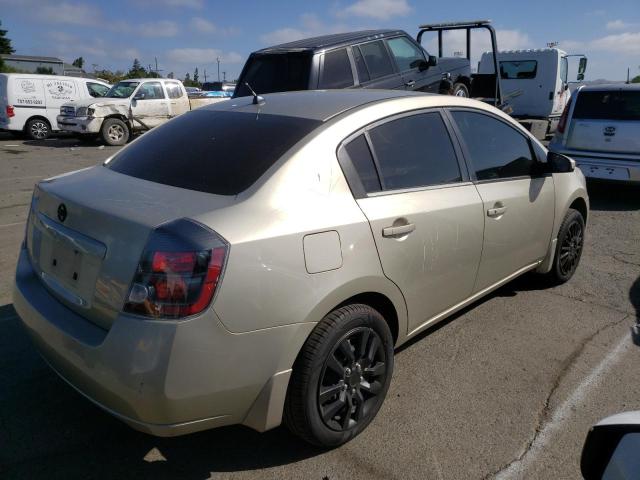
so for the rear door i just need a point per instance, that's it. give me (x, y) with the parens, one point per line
(375, 67)
(149, 105)
(518, 199)
(178, 101)
(606, 121)
(27, 98)
(408, 57)
(426, 217)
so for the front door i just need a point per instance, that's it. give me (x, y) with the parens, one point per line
(149, 106)
(426, 219)
(408, 57)
(518, 201)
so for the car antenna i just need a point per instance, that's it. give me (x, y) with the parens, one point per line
(257, 99)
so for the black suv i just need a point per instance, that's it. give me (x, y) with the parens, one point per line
(388, 59)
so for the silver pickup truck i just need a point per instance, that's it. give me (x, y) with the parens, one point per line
(131, 105)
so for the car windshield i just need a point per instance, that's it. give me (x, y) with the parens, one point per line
(276, 72)
(122, 90)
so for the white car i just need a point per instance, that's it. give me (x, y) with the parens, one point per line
(30, 103)
(600, 130)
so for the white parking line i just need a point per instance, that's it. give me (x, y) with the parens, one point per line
(12, 224)
(561, 416)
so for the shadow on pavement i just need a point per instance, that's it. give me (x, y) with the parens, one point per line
(47, 430)
(611, 196)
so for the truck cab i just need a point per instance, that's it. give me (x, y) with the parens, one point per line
(536, 84)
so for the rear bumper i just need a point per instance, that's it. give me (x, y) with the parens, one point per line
(602, 167)
(79, 124)
(163, 377)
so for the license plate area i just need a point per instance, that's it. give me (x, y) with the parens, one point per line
(602, 172)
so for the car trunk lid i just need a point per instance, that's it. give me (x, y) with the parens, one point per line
(86, 233)
(606, 121)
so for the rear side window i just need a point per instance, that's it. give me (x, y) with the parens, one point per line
(608, 105)
(362, 161)
(406, 54)
(224, 154)
(173, 90)
(336, 70)
(376, 59)
(496, 150)
(276, 72)
(97, 90)
(525, 69)
(361, 68)
(415, 151)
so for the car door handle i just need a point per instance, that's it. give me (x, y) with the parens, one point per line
(398, 230)
(496, 211)
(410, 83)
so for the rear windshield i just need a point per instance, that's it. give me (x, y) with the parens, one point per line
(211, 151)
(608, 105)
(277, 72)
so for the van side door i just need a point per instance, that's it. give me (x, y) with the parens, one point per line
(409, 57)
(375, 67)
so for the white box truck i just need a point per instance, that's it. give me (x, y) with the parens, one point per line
(535, 84)
(30, 103)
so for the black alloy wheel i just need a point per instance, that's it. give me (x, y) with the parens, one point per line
(351, 378)
(571, 249)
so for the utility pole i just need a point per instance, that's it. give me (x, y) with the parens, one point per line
(205, 75)
(224, 76)
(218, 60)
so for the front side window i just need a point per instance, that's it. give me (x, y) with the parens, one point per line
(336, 71)
(564, 69)
(406, 54)
(496, 149)
(151, 91)
(173, 90)
(376, 59)
(525, 69)
(97, 89)
(415, 151)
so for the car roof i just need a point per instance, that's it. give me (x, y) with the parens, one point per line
(150, 78)
(323, 105)
(610, 87)
(330, 41)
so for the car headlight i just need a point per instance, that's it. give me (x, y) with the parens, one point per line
(81, 112)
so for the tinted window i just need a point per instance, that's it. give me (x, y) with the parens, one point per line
(608, 105)
(518, 70)
(377, 59)
(173, 90)
(363, 74)
(282, 72)
(360, 155)
(96, 89)
(415, 151)
(336, 70)
(212, 151)
(407, 55)
(496, 149)
(151, 91)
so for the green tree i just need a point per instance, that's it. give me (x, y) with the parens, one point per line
(78, 62)
(109, 76)
(636, 79)
(136, 70)
(5, 43)
(170, 75)
(45, 71)
(196, 76)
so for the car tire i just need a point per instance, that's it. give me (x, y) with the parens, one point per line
(460, 90)
(114, 132)
(340, 377)
(38, 129)
(569, 247)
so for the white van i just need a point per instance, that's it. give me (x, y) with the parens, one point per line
(30, 103)
(536, 84)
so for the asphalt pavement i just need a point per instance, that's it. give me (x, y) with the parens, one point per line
(507, 388)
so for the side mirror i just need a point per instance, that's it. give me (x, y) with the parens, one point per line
(139, 96)
(559, 163)
(580, 77)
(611, 448)
(421, 65)
(433, 61)
(582, 66)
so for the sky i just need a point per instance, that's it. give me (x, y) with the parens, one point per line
(184, 34)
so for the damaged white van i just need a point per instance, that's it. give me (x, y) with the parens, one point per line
(30, 103)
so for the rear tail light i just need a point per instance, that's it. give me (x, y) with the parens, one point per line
(179, 271)
(562, 124)
(10, 111)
